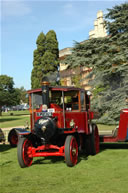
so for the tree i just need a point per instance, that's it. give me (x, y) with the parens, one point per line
(119, 17)
(45, 58)
(52, 44)
(22, 94)
(109, 60)
(8, 94)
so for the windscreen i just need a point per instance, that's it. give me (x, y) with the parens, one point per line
(70, 99)
(36, 100)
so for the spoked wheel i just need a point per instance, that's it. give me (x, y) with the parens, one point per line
(71, 150)
(13, 138)
(92, 145)
(23, 152)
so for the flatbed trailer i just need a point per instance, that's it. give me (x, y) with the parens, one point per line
(120, 134)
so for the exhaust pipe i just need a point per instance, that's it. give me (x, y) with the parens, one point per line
(45, 91)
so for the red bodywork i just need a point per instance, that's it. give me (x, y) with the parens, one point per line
(81, 119)
(121, 131)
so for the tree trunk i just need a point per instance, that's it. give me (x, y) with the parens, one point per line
(0, 111)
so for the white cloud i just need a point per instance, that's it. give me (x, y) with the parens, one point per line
(15, 8)
(69, 9)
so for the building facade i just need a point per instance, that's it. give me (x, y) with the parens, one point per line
(70, 77)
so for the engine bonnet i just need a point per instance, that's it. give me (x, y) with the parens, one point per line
(45, 127)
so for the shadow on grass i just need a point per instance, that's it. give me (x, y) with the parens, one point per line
(11, 114)
(4, 147)
(9, 119)
(48, 160)
(5, 163)
(56, 160)
(23, 114)
(118, 145)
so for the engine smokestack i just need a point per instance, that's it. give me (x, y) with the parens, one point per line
(45, 91)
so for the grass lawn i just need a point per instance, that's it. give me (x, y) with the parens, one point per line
(106, 127)
(19, 118)
(107, 172)
(104, 173)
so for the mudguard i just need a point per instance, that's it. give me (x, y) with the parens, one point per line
(14, 134)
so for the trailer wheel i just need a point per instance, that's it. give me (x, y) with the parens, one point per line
(71, 150)
(92, 142)
(22, 152)
(13, 138)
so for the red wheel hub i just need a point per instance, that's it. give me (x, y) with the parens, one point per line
(14, 139)
(73, 151)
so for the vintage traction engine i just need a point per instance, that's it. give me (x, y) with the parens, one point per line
(60, 125)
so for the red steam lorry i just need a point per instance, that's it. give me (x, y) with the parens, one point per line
(60, 125)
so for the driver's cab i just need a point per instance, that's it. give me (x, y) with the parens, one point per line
(71, 99)
(66, 103)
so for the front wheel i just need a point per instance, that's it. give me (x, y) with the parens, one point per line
(23, 152)
(71, 151)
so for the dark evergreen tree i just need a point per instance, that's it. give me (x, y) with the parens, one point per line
(52, 44)
(45, 58)
(119, 17)
(109, 59)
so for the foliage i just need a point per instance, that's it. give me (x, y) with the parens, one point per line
(22, 94)
(76, 81)
(8, 94)
(119, 17)
(46, 56)
(108, 58)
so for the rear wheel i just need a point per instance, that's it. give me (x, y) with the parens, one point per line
(13, 138)
(92, 142)
(71, 151)
(23, 152)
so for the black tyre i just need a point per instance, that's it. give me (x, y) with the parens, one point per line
(13, 138)
(23, 154)
(92, 142)
(71, 151)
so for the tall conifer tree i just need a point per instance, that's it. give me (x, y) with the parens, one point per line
(46, 56)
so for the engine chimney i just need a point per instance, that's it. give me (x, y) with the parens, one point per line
(45, 91)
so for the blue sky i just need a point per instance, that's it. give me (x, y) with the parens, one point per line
(22, 21)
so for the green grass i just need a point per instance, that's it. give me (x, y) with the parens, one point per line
(106, 127)
(104, 173)
(107, 172)
(19, 118)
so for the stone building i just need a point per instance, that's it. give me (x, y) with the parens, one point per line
(82, 72)
(99, 28)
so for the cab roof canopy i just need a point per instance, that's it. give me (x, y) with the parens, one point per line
(57, 88)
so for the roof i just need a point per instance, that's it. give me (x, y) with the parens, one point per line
(57, 88)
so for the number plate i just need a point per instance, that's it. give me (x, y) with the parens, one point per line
(43, 114)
